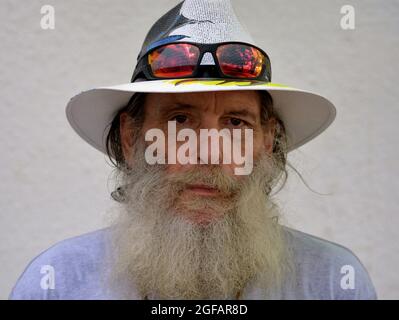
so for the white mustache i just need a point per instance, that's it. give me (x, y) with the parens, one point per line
(213, 177)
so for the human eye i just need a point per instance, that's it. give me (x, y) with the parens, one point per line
(237, 122)
(179, 118)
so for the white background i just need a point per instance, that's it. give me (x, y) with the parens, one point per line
(53, 185)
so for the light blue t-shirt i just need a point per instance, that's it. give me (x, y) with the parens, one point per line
(72, 269)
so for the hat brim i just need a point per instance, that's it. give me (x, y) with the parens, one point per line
(305, 114)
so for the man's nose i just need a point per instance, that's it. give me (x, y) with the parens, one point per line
(209, 144)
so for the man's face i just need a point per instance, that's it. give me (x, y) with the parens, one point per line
(203, 110)
(198, 231)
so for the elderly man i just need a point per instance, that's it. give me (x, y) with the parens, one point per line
(195, 219)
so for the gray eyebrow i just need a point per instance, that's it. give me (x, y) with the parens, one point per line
(244, 113)
(175, 107)
(186, 106)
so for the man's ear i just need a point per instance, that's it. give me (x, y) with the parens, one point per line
(270, 135)
(126, 134)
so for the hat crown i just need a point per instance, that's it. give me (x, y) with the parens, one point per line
(200, 21)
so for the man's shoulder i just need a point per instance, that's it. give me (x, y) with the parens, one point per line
(86, 246)
(328, 270)
(69, 263)
(311, 245)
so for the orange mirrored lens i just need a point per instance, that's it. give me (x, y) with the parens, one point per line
(240, 61)
(174, 60)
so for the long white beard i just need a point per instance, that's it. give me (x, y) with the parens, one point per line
(158, 252)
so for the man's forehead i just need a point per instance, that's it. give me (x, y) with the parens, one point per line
(222, 100)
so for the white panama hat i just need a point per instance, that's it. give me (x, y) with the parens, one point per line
(305, 114)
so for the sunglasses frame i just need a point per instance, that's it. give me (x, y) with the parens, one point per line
(143, 67)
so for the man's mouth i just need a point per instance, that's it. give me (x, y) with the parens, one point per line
(203, 190)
